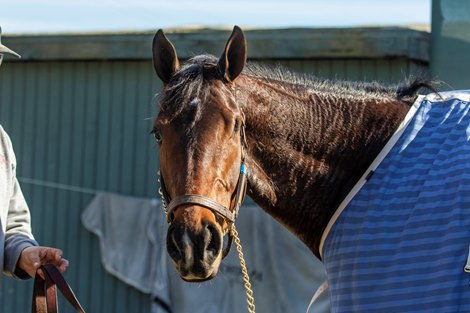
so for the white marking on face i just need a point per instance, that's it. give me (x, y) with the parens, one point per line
(186, 240)
(188, 249)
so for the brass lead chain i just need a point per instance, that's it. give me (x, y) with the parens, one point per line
(160, 192)
(249, 293)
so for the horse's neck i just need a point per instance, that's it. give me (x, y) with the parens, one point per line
(306, 150)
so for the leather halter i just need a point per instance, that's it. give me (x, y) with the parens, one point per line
(169, 204)
(229, 214)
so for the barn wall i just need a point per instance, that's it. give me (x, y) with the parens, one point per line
(450, 48)
(79, 110)
(79, 124)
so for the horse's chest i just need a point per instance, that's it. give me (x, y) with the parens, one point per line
(402, 243)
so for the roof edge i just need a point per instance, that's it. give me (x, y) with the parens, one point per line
(291, 43)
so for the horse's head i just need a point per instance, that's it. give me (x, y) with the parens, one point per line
(199, 130)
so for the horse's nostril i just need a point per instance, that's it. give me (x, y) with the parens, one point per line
(213, 239)
(171, 217)
(171, 245)
(193, 249)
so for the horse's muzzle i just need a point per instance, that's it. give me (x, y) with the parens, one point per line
(196, 254)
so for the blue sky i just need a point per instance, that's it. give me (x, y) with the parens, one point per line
(55, 16)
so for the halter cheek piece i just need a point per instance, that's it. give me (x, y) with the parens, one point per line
(229, 214)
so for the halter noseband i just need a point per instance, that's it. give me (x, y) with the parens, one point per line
(229, 214)
(169, 204)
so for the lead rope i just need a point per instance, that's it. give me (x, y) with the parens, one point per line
(160, 192)
(246, 278)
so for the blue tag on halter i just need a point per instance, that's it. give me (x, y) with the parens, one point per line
(243, 169)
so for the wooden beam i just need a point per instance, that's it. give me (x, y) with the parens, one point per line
(302, 43)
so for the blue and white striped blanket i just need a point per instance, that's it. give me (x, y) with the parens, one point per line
(401, 243)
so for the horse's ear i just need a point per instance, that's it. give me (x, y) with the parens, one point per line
(233, 59)
(165, 60)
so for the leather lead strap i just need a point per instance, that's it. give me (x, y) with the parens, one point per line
(45, 291)
(51, 295)
(39, 296)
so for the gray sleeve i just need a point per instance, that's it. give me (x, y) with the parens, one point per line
(18, 230)
(18, 233)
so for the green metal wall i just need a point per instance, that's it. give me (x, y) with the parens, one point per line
(79, 124)
(85, 120)
(450, 50)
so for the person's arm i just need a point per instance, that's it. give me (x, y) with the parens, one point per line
(22, 255)
(18, 234)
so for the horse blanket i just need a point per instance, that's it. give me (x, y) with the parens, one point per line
(400, 241)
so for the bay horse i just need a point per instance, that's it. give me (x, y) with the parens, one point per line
(302, 143)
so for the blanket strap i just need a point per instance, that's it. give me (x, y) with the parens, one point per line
(323, 287)
(467, 265)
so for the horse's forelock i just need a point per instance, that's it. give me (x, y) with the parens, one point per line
(190, 83)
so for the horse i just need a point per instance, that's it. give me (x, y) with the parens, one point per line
(295, 143)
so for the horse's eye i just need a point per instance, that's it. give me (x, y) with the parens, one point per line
(157, 134)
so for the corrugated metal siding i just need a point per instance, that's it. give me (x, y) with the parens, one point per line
(86, 124)
(451, 42)
(391, 70)
(79, 124)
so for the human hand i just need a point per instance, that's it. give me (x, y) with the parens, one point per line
(33, 257)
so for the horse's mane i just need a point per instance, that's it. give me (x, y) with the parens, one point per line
(192, 80)
(356, 89)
